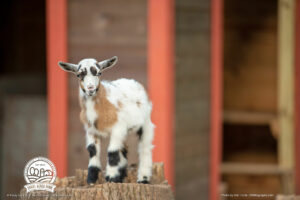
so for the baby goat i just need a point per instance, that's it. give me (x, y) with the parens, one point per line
(113, 109)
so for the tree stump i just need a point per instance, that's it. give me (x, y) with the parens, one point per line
(76, 188)
(287, 197)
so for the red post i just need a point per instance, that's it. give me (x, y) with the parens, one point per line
(56, 19)
(297, 99)
(161, 79)
(216, 96)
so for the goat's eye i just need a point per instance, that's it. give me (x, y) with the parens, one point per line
(99, 74)
(80, 76)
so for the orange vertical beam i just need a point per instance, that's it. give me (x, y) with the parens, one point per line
(216, 96)
(297, 100)
(161, 79)
(56, 19)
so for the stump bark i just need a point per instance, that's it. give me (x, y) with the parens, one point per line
(76, 188)
(287, 197)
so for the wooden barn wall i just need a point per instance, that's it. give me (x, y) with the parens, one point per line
(192, 98)
(101, 29)
(250, 53)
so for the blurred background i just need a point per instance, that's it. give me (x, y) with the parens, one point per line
(255, 147)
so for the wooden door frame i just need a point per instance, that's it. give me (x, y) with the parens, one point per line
(297, 99)
(57, 86)
(216, 90)
(161, 33)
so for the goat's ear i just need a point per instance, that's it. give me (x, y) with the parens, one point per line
(69, 67)
(105, 64)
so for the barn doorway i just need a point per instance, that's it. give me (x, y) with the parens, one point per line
(250, 148)
(23, 110)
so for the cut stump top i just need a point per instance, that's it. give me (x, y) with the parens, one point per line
(76, 188)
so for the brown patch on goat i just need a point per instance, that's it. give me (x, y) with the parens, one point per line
(81, 86)
(95, 124)
(83, 118)
(97, 139)
(120, 105)
(107, 111)
(138, 103)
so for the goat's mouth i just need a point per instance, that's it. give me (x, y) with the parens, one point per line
(92, 92)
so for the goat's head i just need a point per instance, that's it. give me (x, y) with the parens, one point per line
(88, 72)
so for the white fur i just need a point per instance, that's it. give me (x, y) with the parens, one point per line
(91, 113)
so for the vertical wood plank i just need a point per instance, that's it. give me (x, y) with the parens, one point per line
(297, 100)
(56, 18)
(192, 97)
(216, 95)
(286, 82)
(160, 79)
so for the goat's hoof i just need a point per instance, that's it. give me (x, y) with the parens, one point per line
(144, 181)
(123, 173)
(116, 179)
(92, 175)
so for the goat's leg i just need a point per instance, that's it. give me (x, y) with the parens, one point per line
(117, 156)
(145, 146)
(93, 147)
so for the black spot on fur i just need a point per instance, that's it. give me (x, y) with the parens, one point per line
(116, 179)
(140, 132)
(82, 74)
(113, 158)
(144, 181)
(98, 66)
(119, 178)
(112, 60)
(92, 150)
(79, 68)
(95, 124)
(124, 152)
(67, 67)
(92, 174)
(93, 71)
(123, 172)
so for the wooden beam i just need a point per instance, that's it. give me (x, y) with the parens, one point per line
(297, 99)
(286, 60)
(253, 169)
(286, 82)
(56, 16)
(248, 117)
(216, 96)
(161, 80)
